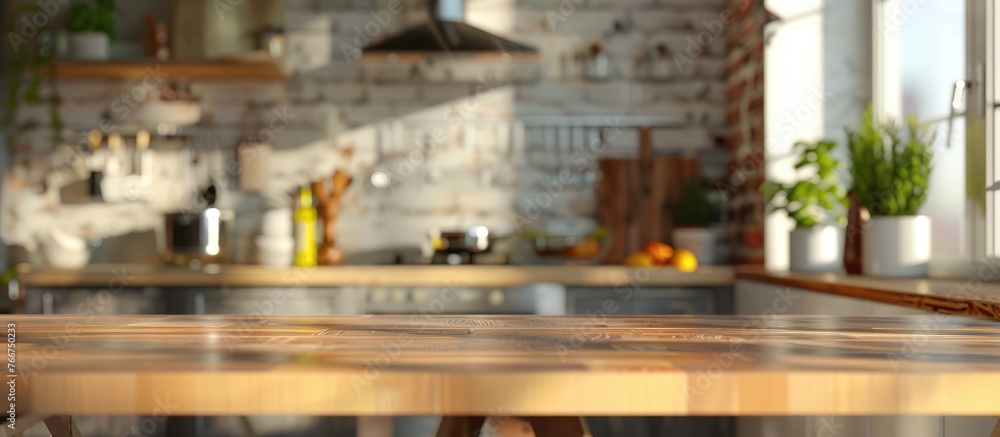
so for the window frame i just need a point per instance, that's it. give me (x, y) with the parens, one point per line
(988, 105)
(982, 227)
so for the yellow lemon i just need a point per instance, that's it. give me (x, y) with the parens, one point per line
(684, 260)
(640, 259)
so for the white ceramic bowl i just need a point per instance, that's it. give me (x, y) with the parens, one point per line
(65, 251)
(154, 112)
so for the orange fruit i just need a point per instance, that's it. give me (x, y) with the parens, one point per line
(640, 259)
(660, 252)
(586, 249)
(684, 260)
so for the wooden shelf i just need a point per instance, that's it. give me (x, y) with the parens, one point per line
(139, 275)
(211, 70)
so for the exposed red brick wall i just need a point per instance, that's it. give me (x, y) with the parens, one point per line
(745, 140)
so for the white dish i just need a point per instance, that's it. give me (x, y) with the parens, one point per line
(178, 113)
(63, 250)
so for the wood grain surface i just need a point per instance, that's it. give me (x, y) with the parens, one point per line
(141, 275)
(212, 70)
(508, 365)
(974, 297)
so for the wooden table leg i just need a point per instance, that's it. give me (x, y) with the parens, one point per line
(248, 430)
(535, 427)
(460, 426)
(374, 426)
(559, 426)
(996, 430)
(507, 427)
(62, 426)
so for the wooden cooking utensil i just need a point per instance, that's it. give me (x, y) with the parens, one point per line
(328, 205)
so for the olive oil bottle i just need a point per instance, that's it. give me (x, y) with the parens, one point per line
(305, 229)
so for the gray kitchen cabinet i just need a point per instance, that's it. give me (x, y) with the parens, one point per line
(604, 302)
(94, 301)
(266, 301)
(649, 301)
(755, 298)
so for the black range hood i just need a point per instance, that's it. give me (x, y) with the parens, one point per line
(445, 33)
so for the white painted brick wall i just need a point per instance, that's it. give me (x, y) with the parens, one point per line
(339, 103)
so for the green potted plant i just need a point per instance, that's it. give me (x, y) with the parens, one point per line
(818, 204)
(91, 29)
(694, 219)
(891, 173)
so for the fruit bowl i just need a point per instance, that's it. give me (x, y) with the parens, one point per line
(588, 249)
(662, 255)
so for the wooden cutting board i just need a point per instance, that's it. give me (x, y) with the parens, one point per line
(636, 197)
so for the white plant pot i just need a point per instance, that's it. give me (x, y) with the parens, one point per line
(703, 242)
(897, 246)
(90, 46)
(816, 249)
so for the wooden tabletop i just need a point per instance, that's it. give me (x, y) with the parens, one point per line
(975, 296)
(143, 275)
(508, 365)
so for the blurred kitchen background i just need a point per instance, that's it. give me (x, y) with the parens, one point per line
(170, 156)
(159, 144)
(260, 98)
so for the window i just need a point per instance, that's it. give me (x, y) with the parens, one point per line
(988, 36)
(929, 59)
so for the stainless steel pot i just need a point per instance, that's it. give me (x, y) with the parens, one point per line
(197, 237)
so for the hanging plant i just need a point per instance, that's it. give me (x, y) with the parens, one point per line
(30, 66)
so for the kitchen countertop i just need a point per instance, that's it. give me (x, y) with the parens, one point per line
(973, 297)
(142, 275)
(951, 296)
(507, 365)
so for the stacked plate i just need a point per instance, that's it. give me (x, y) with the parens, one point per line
(275, 244)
